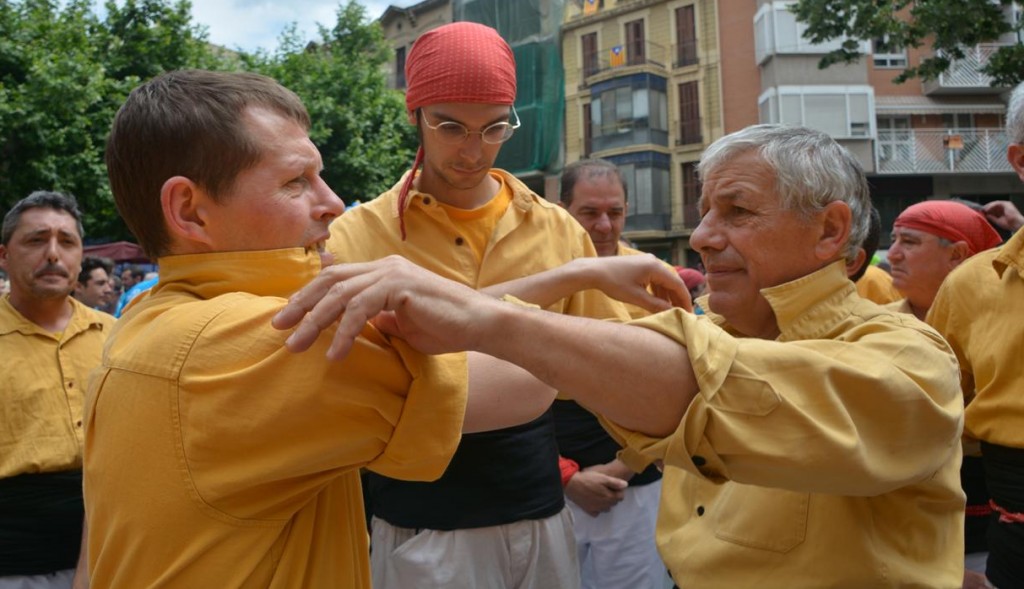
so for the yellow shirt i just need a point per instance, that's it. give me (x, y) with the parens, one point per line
(876, 285)
(477, 225)
(980, 310)
(42, 386)
(533, 235)
(826, 458)
(215, 457)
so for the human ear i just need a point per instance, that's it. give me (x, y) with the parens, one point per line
(835, 221)
(1015, 155)
(185, 206)
(958, 252)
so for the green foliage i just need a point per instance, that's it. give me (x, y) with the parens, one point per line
(946, 27)
(64, 71)
(359, 124)
(63, 74)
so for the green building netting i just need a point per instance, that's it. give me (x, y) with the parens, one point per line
(533, 30)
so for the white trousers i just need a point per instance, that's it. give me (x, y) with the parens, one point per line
(528, 554)
(57, 580)
(616, 549)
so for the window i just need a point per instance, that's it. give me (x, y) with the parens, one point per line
(885, 54)
(648, 185)
(628, 111)
(686, 36)
(588, 45)
(895, 142)
(689, 114)
(691, 195)
(840, 111)
(635, 45)
(777, 31)
(400, 67)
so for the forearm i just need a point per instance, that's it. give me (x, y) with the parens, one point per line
(545, 288)
(597, 363)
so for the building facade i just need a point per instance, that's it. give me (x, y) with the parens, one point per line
(917, 140)
(643, 89)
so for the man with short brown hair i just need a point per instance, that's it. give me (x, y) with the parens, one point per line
(49, 343)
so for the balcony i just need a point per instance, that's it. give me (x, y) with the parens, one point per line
(964, 75)
(685, 54)
(608, 60)
(937, 151)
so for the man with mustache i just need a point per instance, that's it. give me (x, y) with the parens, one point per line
(810, 438)
(49, 343)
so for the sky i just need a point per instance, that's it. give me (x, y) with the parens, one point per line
(252, 24)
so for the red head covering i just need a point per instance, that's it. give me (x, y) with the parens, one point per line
(951, 220)
(692, 278)
(458, 62)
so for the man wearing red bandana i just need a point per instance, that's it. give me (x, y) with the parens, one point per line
(929, 239)
(496, 519)
(978, 311)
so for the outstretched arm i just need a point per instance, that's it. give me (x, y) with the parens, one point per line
(644, 281)
(596, 362)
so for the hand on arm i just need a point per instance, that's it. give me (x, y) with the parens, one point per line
(436, 315)
(641, 280)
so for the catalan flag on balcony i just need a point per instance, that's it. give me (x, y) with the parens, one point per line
(617, 56)
(590, 6)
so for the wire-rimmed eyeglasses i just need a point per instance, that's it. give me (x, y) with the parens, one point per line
(454, 133)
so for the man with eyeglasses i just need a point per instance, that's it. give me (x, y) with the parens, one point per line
(497, 517)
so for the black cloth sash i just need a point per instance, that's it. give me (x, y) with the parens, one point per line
(1004, 476)
(40, 522)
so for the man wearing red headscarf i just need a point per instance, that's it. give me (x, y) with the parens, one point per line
(980, 311)
(929, 239)
(497, 517)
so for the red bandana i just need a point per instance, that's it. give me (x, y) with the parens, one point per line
(952, 221)
(458, 62)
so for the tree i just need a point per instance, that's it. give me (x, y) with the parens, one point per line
(63, 74)
(947, 26)
(358, 124)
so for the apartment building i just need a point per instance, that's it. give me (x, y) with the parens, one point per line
(916, 140)
(643, 89)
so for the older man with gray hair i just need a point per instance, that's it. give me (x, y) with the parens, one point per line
(978, 310)
(809, 437)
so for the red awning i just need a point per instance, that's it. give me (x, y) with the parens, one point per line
(119, 251)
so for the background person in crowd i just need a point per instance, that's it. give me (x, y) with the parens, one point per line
(93, 287)
(929, 239)
(116, 290)
(978, 310)
(211, 453)
(497, 517)
(49, 343)
(130, 276)
(613, 498)
(765, 411)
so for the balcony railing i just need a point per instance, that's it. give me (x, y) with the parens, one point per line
(607, 59)
(965, 74)
(685, 54)
(937, 151)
